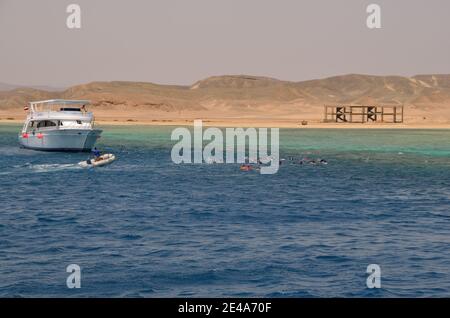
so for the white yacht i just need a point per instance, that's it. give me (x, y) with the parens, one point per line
(59, 125)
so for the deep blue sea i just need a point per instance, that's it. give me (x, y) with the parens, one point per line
(146, 227)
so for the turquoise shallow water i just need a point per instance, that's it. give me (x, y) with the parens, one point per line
(144, 226)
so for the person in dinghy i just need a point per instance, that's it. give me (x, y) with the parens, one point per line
(97, 154)
(98, 160)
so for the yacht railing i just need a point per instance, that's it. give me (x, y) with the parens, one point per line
(62, 115)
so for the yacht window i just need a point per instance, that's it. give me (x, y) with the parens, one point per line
(45, 123)
(79, 122)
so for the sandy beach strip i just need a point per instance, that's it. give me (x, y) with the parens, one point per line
(256, 123)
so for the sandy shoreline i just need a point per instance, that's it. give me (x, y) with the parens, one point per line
(275, 123)
(312, 116)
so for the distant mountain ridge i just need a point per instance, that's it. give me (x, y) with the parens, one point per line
(8, 87)
(245, 92)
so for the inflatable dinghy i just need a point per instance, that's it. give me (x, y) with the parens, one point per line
(103, 160)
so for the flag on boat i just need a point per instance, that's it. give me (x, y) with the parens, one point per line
(26, 107)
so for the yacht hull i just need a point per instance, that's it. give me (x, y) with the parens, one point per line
(76, 140)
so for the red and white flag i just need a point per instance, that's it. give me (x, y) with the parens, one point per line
(26, 108)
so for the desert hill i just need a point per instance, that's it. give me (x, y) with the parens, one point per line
(426, 97)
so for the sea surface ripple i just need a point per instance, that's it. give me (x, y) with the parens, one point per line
(146, 227)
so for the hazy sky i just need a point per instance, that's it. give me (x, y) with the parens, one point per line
(182, 41)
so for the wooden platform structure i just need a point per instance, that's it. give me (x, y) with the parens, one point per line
(363, 114)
